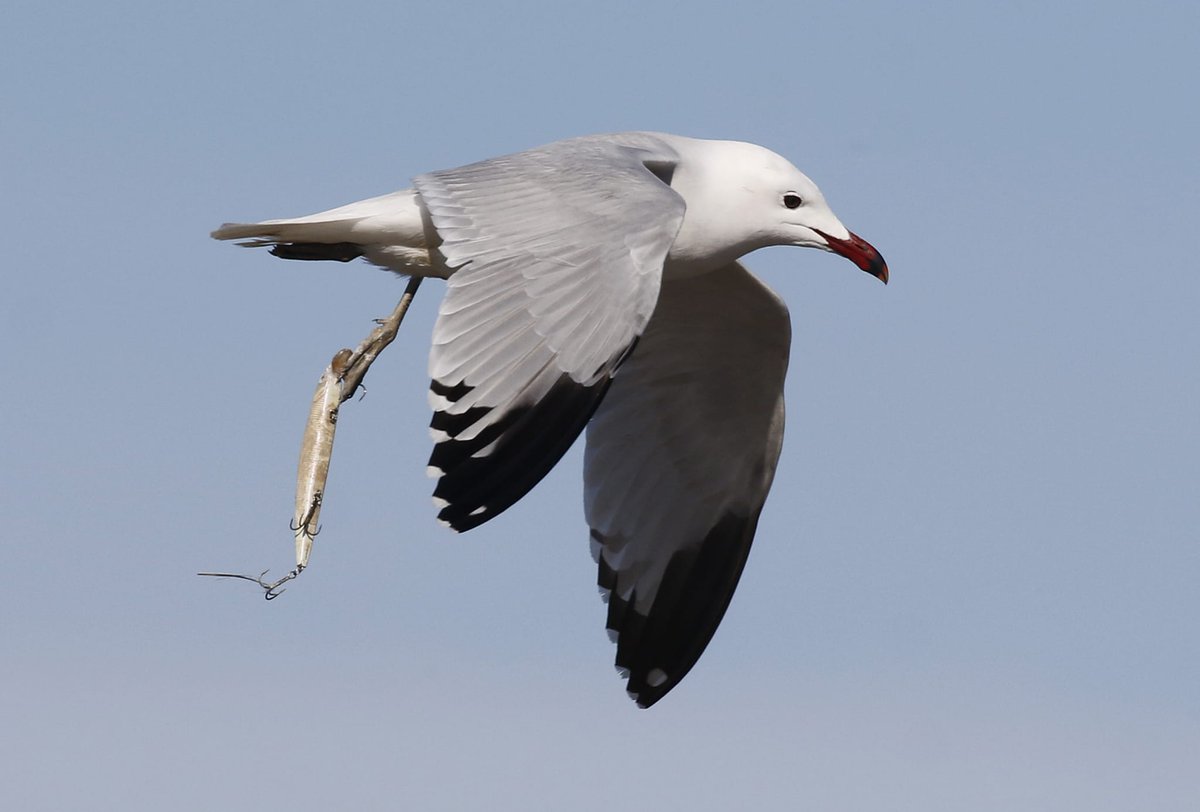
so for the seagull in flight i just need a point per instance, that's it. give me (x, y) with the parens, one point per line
(595, 283)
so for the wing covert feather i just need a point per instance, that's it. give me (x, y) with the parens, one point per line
(556, 257)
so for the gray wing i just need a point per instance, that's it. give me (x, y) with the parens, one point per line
(557, 257)
(680, 456)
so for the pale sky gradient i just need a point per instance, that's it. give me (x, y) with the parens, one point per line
(975, 585)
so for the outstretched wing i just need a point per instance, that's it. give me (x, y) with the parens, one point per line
(680, 456)
(557, 257)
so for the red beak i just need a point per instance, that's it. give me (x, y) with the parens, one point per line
(861, 253)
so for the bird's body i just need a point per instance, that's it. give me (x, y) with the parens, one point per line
(560, 260)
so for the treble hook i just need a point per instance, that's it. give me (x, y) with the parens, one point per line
(296, 528)
(312, 508)
(271, 590)
(271, 594)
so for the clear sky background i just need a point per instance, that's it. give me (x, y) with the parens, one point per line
(974, 585)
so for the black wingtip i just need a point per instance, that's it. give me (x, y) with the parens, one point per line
(659, 648)
(485, 475)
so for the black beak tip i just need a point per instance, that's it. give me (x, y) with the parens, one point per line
(878, 269)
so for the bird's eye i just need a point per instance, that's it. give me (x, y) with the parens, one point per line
(792, 200)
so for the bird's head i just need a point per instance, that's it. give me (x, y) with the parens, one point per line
(757, 198)
(805, 219)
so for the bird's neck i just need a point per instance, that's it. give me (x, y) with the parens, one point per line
(684, 264)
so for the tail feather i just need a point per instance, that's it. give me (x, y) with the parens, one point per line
(271, 232)
(391, 219)
(388, 231)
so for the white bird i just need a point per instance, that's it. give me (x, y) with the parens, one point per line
(560, 261)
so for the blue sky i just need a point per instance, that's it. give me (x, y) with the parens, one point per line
(974, 586)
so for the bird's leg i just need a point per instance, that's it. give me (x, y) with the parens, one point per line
(384, 333)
